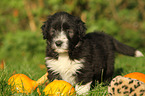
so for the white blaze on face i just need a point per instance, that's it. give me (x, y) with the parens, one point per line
(64, 46)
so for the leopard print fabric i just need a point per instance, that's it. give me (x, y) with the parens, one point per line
(123, 86)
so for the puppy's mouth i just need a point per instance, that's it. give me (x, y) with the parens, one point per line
(61, 50)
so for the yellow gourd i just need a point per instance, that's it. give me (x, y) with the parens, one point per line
(21, 83)
(59, 88)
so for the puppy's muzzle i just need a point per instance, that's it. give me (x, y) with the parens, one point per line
(58, 43)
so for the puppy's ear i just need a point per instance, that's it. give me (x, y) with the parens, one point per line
(81, 27)
(45, 28)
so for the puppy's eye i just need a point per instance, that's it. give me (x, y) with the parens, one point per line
(52, 32)
(70, 32)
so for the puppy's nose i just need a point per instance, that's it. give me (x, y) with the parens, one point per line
(58, 43)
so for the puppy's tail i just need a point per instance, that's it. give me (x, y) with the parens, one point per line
(126, 50)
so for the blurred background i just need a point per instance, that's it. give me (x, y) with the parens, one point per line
(22, 48)
(21, 21)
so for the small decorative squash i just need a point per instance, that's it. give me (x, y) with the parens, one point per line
(21, 83)
(124, 86)
(59, 88)
(136, 75)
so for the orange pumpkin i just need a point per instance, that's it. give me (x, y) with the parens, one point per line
(136, 75)
(21, 83)
(59, 88)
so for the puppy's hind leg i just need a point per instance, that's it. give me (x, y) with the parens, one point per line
(108, 73)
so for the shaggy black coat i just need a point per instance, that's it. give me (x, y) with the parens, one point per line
(96, 48)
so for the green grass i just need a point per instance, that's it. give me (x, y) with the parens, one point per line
(24, 52)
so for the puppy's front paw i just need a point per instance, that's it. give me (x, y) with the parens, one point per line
(83, 89)
(48, 58)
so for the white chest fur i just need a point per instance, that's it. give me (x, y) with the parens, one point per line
(65, 67)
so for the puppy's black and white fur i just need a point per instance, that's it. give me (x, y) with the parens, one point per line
(76, 57)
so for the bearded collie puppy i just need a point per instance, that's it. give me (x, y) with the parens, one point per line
(79, 58)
